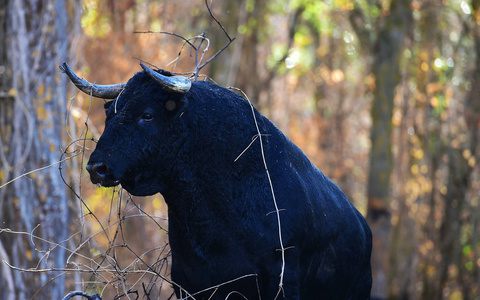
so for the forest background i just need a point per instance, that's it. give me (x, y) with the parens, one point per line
(382, 95)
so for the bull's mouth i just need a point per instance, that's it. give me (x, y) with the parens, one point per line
(106, 183)
(135, 184)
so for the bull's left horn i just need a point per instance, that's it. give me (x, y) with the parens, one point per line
(110, 91)
(178, 84)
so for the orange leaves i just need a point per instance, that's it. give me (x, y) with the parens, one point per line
(467, 155)
(331, 77)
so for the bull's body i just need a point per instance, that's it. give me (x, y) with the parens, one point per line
(223, 226)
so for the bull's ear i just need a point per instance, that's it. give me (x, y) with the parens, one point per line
(107, 105)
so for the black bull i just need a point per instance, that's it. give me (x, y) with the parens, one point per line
(166, 135)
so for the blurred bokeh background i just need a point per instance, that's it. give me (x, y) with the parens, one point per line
(382, 95)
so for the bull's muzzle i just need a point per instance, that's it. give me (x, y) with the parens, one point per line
(100, 173)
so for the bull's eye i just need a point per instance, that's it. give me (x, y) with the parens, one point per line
(147, 117)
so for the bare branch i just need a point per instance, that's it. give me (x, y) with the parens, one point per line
(170, 33)
(37, 170)
(209, 7)
(199, 53)
(83, 294)
(219, 285)
(277, 210)
(213, 57)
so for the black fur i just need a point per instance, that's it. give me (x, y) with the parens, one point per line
(222, 220)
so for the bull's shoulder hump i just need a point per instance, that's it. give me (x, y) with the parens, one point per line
(207, 87)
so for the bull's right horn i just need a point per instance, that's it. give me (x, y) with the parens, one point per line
(178, 84)
(110, 91)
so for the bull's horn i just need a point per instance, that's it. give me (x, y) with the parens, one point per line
(110, 91)
(178, 84)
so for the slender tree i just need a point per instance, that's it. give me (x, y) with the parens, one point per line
(35, 36)
(460, 168)
(386, 48)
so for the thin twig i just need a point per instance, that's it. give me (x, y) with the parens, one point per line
(83, 294)
(255, 137)
(277, 210)
(202, 38)
(198, 60)
(67, 184)
(219, 285)
(105, 269)
(245, 150)
(230, 40)
(47, 283)
(209, 7)
(169, 33)
(7, 230)
(213, 57)
(39, 169)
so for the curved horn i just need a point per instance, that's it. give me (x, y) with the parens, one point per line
(178, 84)
(110, 91)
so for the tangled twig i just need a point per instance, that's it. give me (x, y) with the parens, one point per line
(83, 294)
(199, 50)
(277, 210)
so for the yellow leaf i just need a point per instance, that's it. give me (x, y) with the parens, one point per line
(12, 92)
(431, 270)
(41, 113)
(424, 67)
(418, 154)
(414, 169)
(424, 169)
(157, 203)
(443, 190)
(41, 90)
(472, 161)
(397, 117)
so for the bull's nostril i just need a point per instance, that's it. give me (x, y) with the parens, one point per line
(101, 169)
(93, 167)
(97, 170)
(102, 174)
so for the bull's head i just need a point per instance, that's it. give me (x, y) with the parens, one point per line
(142, 129)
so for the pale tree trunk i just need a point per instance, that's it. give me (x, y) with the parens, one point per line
(35, 37)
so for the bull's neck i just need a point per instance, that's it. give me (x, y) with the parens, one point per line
(206, 183)
(218, 160)
(197, 188)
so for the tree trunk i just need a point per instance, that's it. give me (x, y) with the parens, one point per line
(248, 77)
(387, 51)
(460, 168)
(35, 37)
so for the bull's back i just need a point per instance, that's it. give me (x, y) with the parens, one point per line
(332, 237)
(327, 241)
